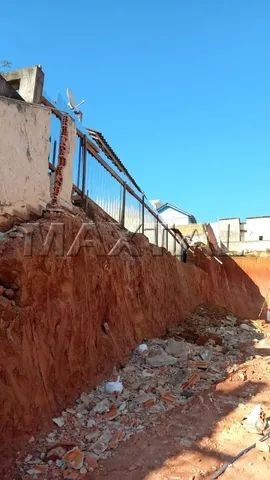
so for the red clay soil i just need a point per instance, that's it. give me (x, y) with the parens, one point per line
(258, 269)
(54, 337)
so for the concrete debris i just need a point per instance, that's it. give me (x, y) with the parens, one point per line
(102, 406)
(256, 422)
(60, 422)
(244, 326)
(162, 360)
(161, 375)
(178, 349)
(263, 446)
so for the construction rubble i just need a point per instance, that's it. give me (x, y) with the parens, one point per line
(162, 374)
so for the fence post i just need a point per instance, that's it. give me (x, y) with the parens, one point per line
(157, 232)
(84, 165)
(167, 237)
(122, 221)
(54, 153)
(174, 240)
(79, 161)
(143, 213)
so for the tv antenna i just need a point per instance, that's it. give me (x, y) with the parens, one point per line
(73, 105)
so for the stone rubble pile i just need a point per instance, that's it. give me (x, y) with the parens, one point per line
(160, 376)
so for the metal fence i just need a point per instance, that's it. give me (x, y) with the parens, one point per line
(96, 177)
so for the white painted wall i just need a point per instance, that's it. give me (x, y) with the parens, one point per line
(172, 217)
(24, 152)
(229, 227)
(257, 227)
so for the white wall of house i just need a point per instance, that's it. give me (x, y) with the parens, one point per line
(172, 217)
(229, 230)
(257, 227)
(248, 241)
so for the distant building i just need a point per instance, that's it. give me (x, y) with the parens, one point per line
(173, 215)
(236, 236)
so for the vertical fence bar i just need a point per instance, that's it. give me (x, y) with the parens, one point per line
(79, 162)
(143, 201)
(167, 237)
(84, 165)
(54, 152)
(157, 232)
(123, 206)
(174, 248)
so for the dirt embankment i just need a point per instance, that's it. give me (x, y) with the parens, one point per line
(258, 269)
(73, 317)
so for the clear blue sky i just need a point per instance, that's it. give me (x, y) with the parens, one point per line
(181, 89)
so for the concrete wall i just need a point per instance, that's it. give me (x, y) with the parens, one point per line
(256, 227)
(6, 90)
(24, 151)
(194, 232)
(28, 82)
(243, 247)
(229, 229)
(243, 237)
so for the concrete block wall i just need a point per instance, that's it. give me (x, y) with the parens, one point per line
(24, 155)
(28, 82)
(24, 151)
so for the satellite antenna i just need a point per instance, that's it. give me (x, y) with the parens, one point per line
(72, 103)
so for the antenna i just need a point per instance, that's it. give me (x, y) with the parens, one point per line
(71, 100)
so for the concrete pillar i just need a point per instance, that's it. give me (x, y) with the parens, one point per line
(28, 82)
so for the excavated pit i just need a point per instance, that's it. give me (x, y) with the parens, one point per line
(67, 320)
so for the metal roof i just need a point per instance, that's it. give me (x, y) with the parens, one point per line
(169, 205)
(109, 152)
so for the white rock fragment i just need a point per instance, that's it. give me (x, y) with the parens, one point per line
(142, 348)
(33, 471)
(59, 421)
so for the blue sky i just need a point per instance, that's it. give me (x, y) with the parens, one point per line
(181, 89)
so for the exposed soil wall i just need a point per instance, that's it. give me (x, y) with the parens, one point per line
(73, 317)
(258, 269)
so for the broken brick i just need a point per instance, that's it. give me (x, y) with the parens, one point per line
(117, 438)
(203, 364)
(168, 397)
(111, 414)
(191, 381)
(149, 403)
(74, 458)
(91, 461)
